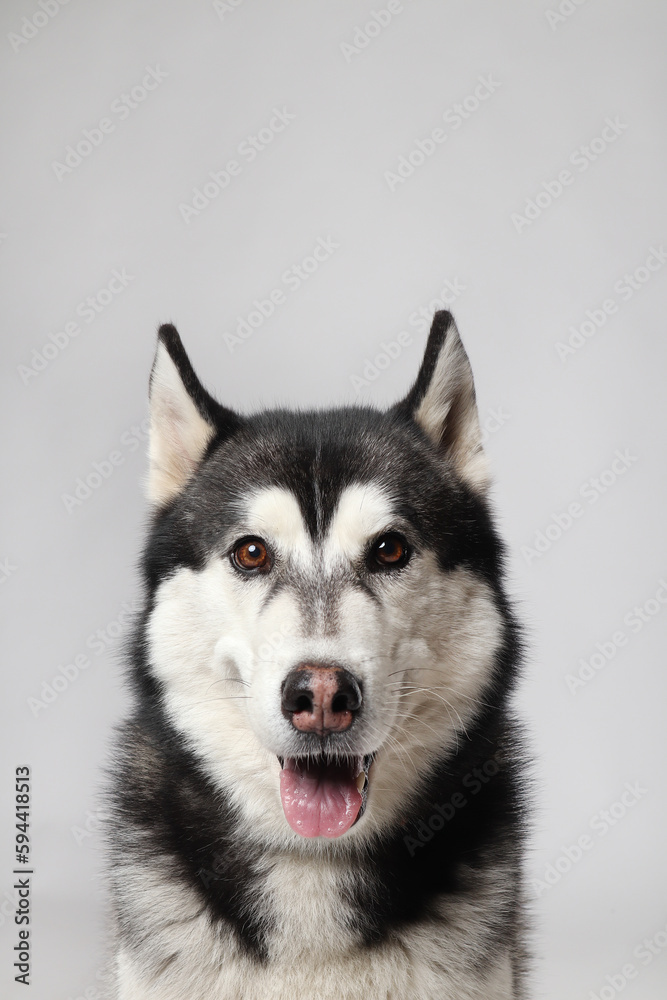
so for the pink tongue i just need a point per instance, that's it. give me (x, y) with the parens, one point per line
(319, 801)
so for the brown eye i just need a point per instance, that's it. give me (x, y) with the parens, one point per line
(251, 554)
(390, 550)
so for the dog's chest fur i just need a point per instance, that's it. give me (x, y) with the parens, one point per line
(314, 950)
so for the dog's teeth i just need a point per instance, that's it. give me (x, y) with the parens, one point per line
(360, 781)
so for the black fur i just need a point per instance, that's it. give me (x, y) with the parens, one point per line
(175, 806)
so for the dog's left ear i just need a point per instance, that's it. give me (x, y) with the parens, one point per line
(442, 402)
(185, 419)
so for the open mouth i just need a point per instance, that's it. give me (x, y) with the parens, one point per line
(324, 796)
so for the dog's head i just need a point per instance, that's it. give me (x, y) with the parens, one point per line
(324, 611)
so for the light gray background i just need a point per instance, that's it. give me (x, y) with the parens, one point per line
(67, 572)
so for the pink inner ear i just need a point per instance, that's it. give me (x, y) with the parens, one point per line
(179, 433)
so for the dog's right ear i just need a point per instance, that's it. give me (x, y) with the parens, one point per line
(184, 419)
(442, 402)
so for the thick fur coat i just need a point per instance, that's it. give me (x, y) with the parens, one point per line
(358, 843)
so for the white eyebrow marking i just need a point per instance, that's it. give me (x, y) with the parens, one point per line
(363, 510)
(274, 514)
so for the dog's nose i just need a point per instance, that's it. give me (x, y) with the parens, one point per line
(320, 699)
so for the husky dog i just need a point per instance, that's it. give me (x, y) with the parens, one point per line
(319, 794)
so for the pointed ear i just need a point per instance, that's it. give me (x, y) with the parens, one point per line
(184, 419)
(442, 403)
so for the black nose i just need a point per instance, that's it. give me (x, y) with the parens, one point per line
(320, 698)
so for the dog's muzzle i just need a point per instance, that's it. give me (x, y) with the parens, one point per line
(323, 794)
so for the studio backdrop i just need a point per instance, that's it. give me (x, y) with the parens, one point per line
(298, 187)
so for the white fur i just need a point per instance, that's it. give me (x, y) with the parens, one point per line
(423, 654)
(450, 396)
(313, 956)
(179, 435)
(364, 511)
(275, 514)
(423, 650)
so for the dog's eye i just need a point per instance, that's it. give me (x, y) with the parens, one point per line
(390, 550)
(251, 554)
